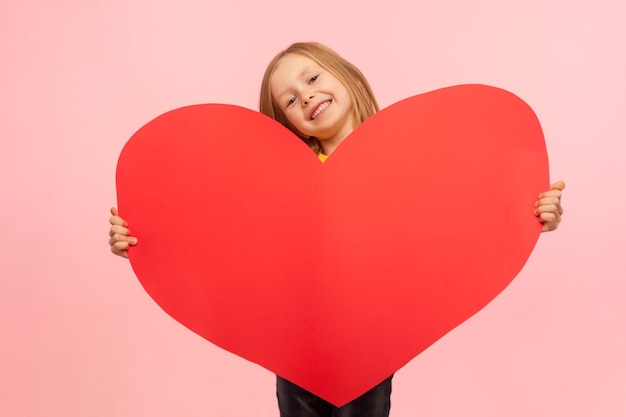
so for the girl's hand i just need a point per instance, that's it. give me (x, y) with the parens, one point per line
(120, 239)
(548, 207)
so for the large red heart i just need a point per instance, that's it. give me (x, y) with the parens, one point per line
(334, 275)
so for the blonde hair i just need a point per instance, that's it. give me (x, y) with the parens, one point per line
(361, 95)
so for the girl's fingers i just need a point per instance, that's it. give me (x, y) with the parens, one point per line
(120, 244)
(120, 248)
(119, 230)
(548, 212)
(115, 219)
(548, 206)
(555, 190)
(550, 221)
(559, 185)
(120, 239)
(549, 215)
(128, 240)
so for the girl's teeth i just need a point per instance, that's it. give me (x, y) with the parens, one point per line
(320, 109)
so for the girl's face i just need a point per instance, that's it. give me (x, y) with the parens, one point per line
(313, 100)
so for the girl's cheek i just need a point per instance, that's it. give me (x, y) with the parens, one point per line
(291, 117)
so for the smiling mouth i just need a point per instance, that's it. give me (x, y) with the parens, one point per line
(320, 109)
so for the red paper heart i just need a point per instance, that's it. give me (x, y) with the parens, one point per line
(334, 275)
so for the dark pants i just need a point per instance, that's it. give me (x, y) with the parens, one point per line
(294, 401)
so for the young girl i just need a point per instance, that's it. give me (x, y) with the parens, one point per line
(322, 98)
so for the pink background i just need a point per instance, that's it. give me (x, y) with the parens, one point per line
(79, 335)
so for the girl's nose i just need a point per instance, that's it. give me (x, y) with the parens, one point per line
(307, 98)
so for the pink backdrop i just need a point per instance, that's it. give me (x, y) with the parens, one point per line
(79, 335)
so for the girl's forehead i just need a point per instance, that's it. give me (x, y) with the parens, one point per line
(294, 63)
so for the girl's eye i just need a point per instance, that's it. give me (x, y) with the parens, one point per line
(291, 101)
(313, 79)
